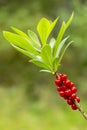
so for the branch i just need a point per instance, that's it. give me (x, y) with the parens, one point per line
(81, 109)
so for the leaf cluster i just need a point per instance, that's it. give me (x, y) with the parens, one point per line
(46, 55)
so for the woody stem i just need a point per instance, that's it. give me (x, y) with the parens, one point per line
(81, 109)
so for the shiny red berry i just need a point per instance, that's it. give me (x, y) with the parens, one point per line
(67, 83)
(60, 75)
(68, 92)
(73, 89)
(70, 102)
(74, 107)
(59, 89)
(62, 93)
(64, 87)
(64, 77)
(65, 97)
(73, 96)
(78, 99)
(58, 82)
(71, 84)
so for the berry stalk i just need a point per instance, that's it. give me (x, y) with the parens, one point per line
(81, 109)
(67, 91)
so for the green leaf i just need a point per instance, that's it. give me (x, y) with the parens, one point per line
(61, 33)
(59, 37)
(52, 42)
(69, 21)
(46, 54)
(39, 62)
(25, 52)
(48, 71)
(55, 64)
(60, 46)
(19, 32)
(19, 41)
(52, 25)
(34, 38)
(44, 28)
(64, 51)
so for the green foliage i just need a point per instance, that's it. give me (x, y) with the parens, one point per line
(44, 55)
(40, 62)
(44, 28)
(34, 38)
(63, 28)
(21, 42)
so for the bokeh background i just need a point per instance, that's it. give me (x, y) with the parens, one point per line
(28, 98)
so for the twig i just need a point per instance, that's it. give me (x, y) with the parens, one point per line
(81, 109)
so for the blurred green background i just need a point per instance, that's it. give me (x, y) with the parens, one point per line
(28, 99)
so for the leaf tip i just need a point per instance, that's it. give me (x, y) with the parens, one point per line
(72, 14)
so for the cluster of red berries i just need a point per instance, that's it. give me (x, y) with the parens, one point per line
(67, 90)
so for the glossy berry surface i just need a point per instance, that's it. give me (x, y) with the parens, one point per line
(70, 102)
(59, 89)
(64, 77)
(74, 107)
(73, 96)
(58, 82)
(73, 89)
(71, 84)
(78, 99)
(62, 93)
(67, 83)
(67, 90)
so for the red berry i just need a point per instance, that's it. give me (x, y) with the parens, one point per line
(59, 89)
(64, 77)
(62, 93)
(73, 96)
(68, 92)
(58, 82)
(70, 102)
(73, 89)
(64, 87)
(65, 97)
(60, 75)
(71, 84)
(67, 83)
(77, 99)
(74, 107)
